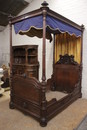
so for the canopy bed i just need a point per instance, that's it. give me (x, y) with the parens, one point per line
(27, 93)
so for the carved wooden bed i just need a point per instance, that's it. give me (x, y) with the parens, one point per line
(29, 94)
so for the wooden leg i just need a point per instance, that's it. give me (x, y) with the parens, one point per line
(43, 122)
(11, 105)
(53, 87)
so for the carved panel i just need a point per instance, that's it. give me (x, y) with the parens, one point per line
(66, 59)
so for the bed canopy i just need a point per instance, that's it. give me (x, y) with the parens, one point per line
(53, 25)
(42, 23)
(33, 26)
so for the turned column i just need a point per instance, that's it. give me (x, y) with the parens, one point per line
(43, 120)
(81, 62)
(53, 87)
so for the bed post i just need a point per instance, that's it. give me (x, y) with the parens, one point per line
(81, 64)
(43, 120)
(10, 25)
(82, 28)
(53, 88)
(53, 52)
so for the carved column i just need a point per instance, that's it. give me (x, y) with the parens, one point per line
(53, 87)
(81, 64)
(53, 52)
(43, 120)
(44, 47)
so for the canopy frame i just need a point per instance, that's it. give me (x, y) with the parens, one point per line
(44, 11)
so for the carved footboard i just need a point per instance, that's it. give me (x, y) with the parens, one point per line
(26, 95)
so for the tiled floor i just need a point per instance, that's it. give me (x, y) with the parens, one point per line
(16, 120)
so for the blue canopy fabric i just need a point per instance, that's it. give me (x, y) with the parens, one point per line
(25, 25)
(53, 25)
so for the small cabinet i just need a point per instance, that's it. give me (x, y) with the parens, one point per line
(32, 56)
(25, 60)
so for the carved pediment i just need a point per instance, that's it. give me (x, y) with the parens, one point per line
(66, 59)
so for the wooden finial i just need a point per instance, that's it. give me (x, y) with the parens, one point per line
(82, 27)
(44, 4)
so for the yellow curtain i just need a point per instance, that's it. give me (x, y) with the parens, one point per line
(67, 44)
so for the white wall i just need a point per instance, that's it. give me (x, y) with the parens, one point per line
(74, 10)
(4, 47)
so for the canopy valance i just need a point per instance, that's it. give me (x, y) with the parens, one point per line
(34, 27)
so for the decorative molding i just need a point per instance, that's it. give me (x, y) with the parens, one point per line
(66, 59)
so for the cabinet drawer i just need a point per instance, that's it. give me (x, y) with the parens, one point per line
(31, 73)
(18, 70)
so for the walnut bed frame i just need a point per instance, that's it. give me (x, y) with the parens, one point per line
(29, 95)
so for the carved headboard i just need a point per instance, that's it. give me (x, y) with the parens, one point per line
(66, 59)
(66, 74)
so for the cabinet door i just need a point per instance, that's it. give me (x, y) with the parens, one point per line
(18, 70)
(19, 55)
(32, 55)
(32, 71)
